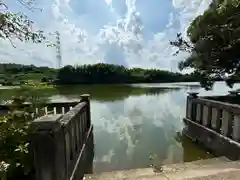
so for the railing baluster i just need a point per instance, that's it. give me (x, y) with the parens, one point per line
(215, 120)
(236, 127)
(54, 110)
(73, 139)
(77, 134)
(199, 113)
(206, 115)
(46, 110)
(226, 123)
(67, 150)
(37, 111)
(189, 107)
(85, 120)
(83, 124)
(81, 130)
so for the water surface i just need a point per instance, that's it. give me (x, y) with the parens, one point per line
(131, 123)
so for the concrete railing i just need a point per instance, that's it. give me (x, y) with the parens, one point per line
(210, 119)
(62, 145)
(41, 110)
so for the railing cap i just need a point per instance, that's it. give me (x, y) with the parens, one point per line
(193, 94)
(46, 123)
(85, 97)
(66, 118)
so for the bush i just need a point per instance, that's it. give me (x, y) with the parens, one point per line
(16, 162)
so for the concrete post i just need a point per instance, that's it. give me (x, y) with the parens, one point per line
(86, 98)
(48, 148)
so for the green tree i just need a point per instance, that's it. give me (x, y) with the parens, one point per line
(214, 43)
(110, 74)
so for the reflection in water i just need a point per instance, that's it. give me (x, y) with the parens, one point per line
(133, 122)
(110, 92)
(128, 131)
(132, 129)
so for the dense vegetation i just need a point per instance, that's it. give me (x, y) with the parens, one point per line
(15, 133)
(214, 43)
(17, 74)
(15, 161)
(87, 74)
(109, 73)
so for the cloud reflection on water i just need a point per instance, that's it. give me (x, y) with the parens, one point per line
(128, 131)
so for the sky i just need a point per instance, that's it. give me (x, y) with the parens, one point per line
(133, 33)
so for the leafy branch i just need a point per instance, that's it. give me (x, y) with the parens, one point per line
(17, 25)
(214, 42)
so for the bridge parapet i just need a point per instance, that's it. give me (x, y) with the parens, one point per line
(214, 123)
(60, 142)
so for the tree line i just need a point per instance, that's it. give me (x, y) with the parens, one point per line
(91, 74)
(109, 73)
(17, 74)
(12, 68)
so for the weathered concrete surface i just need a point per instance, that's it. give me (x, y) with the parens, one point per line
(217, 168)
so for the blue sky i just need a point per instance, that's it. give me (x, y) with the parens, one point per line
(133, 33)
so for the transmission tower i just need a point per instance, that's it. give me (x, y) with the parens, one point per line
(58, 50)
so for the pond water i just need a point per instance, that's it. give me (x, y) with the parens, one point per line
(133, 122)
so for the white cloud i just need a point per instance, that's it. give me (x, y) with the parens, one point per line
(83, 41)
(108, 1)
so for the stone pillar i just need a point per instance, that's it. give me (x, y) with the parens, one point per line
(48, 148)
(86, 98)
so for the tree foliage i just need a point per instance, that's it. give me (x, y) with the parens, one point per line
(214, 43)
(109, 73)
(14, 142)
(11, 68)
(16, 25)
